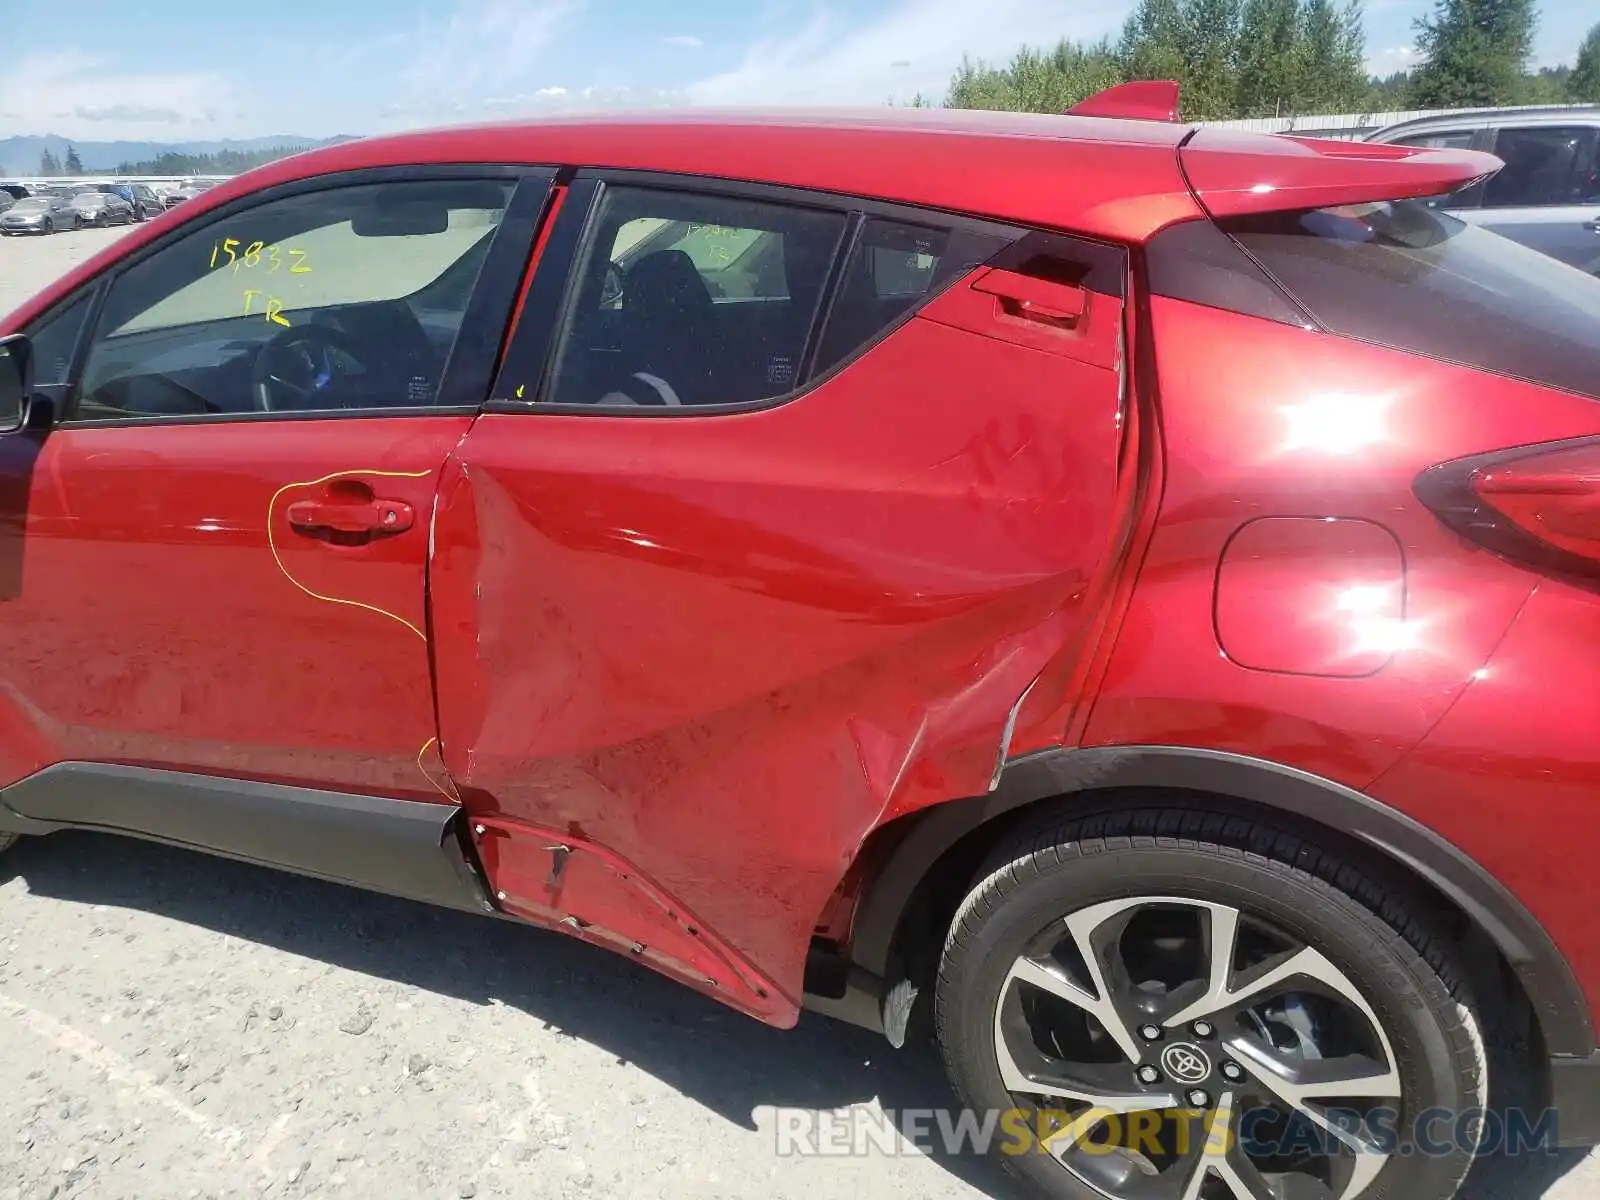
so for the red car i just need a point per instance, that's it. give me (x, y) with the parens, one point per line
(1121, 596)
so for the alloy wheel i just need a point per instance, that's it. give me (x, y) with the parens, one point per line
(1194, 1052)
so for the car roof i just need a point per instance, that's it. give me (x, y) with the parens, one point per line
(1495, 118)
(1078, 172)
(1096, 176)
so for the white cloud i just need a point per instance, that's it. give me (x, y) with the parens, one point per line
(524, 101)
(85, 98)
(483, 44)
(914, 47)
(687, 40)
(482, 55)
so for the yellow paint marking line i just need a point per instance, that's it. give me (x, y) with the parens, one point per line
(449, 793)
(272, 543)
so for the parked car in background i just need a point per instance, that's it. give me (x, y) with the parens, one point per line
(40, 214)
(6, 200)
(141, 198)
(1119, 606)
(102, 208)
(1548, 194)
(187, 192)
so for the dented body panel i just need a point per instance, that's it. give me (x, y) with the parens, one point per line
(730, 649)
(1061, 529)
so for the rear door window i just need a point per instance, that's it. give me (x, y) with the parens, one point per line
(1545, 165)
(681, 298)
(689, 299)
(1403, 275)
(893, 267)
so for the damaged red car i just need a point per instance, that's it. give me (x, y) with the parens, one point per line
(1117, 597)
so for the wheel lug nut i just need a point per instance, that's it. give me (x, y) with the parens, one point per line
(1202, 1029)
(1233, 1072)
(1149, 1075)
(1151, 1033)
(1198, 1099)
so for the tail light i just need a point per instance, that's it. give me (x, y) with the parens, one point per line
(1537, 504)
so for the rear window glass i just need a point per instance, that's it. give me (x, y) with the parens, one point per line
(1403, 275)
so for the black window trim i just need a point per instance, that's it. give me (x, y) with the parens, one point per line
(534, 184)
(555, 285)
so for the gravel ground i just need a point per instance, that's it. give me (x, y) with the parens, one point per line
(29, 263)
(178, 1026)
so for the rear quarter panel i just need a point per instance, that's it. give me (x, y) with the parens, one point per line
(1267, 420)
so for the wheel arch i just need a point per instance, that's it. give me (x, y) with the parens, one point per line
(927, 851)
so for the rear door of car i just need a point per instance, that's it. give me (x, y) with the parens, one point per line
(1548, 194)
(782, 502)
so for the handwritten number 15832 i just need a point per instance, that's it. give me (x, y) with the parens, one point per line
(227, 253)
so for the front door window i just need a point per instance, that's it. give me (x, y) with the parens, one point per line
(343, 299)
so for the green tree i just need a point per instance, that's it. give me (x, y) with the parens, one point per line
(74, 164)
(1209, 80)
(1331, 73)
(49, 164)
(1389, 93)
(1269, 73)
(1583, 85)
(1475, 53)
(1548, 85)
(1042, 81)
(224, 162)
(1152, 41)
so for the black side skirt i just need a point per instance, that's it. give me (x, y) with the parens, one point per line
(401, 847)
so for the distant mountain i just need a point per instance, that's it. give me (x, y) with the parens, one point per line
(20, 155)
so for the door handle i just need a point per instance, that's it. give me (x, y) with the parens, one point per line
(1030, 299)
(1592, 226)
(376, 515)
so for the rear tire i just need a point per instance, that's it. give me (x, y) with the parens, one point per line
(1166, 922)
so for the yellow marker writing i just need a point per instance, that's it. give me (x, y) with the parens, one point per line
(275, 310)
(298, 265)
(250, 295)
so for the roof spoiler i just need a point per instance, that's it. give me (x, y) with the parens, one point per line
(1235, 174)
(1142, 100)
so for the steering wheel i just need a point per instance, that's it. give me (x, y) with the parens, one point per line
(298, 369)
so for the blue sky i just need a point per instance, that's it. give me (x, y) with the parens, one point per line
(193, 69)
